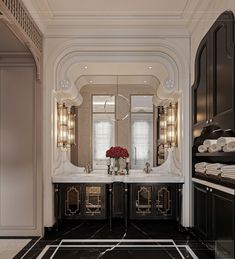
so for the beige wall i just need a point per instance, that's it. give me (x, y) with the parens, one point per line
(20, 208)
(84, 130)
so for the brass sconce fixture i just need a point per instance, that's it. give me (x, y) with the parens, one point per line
(163, 126)
(168, 125)
(171, 125)
(65, 126)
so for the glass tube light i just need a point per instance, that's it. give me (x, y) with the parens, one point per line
(171, 124)
(71, 129)
(163, 128)
(62, 125)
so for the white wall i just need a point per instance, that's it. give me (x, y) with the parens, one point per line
(139, 45)
(20, 202)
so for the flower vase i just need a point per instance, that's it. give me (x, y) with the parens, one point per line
(116, 165)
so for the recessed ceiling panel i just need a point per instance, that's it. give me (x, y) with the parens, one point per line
(109, 7)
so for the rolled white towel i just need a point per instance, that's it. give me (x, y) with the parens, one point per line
(209, 142)
(222, 141)
(202, 149)
(200, 170)
(225, 148)
(214, 166)
(214, 148)
(231, 146)
(201, 165)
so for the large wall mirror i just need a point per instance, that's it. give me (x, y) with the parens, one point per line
(112, 115)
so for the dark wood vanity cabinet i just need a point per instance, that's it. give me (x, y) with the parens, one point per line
(153, 201)
(80, 201)
(214, 219)
(213, 89)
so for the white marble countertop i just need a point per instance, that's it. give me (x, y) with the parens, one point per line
(101, 176)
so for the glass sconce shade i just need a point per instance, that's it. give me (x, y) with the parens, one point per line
(163, 128)
(71, 128)
(171, 114)
(168, 125)
(171, 124)
(65, 126)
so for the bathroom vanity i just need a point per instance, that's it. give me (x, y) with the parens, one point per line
(101, 196)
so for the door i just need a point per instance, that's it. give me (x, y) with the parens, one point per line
(142, 201)
(222, 219)
(165, 201)
(201, 210)
(200, 87)
(71, 201)
(94, 201)
(221, 98)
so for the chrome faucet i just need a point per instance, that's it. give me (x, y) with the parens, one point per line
(147, 168)
(88, 168)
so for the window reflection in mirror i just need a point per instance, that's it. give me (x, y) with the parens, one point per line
(103, 122)
(141, 131)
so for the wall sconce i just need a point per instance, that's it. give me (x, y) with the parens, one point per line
(71, 128)
(65, 126)
(171, 124)
(163, 126)
(168, 125)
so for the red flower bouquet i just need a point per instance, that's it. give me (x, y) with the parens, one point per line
(116, 152)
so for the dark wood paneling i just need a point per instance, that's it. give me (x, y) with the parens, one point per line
(200, 210)
(200, 86)
(213, 90)
(222, 71)
(118, 200)
(222, 218)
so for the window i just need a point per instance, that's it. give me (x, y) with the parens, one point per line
(103, 129)
(141, 131)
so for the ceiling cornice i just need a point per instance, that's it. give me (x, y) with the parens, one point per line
(64, 25)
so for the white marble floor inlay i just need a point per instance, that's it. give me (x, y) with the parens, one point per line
(111, 244)
(11, 247)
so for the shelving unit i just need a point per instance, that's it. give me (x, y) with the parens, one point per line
(214, 105)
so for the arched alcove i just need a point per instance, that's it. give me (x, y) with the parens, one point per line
(66, 66)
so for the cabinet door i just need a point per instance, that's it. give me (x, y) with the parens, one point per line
(141, 201)
(200, 87)
(94, 203)
(71, 200)
(118, 200)
(221, 94)
(222, 220)
(165, 201)
(201, 210)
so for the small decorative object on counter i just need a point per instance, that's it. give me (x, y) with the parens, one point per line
(115, 162)
(147, 168)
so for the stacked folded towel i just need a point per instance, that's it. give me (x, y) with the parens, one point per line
(222, 141)
(214, 169)
(226, 144)
(230, 147)
(201, 167)
(202, 149)
(214, 148)
(208, 142)
(228, 171)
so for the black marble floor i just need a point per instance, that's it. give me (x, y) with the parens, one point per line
(93, 239)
